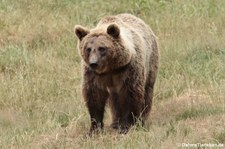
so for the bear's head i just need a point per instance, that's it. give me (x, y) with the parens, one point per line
(103, 49)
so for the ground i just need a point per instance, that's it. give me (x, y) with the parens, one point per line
(40, 96)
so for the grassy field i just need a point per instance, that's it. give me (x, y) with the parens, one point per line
(40, 98)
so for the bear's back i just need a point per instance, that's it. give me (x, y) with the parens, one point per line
(128, 21)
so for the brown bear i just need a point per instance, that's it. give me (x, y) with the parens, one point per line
(120, 62)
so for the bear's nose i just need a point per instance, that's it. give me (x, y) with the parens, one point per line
(93, 65)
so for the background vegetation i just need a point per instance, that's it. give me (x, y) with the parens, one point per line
(40, 100)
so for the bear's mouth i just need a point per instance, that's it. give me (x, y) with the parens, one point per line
(99, 69)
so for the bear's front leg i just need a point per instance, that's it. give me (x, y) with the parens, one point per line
(134, 114)
(126, 108)
(95, 101)
(120, 111)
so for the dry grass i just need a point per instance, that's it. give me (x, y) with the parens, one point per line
(40, 101)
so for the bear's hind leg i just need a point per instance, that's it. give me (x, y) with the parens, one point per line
(149, 88)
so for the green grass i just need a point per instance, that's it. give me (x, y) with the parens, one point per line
(40, 75)
(200, 112)
(220, 137)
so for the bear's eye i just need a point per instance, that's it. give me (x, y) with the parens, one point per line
(88, 50)
(102, 49)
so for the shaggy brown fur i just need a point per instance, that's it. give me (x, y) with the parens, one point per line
(120, 62)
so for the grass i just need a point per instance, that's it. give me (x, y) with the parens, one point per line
(40, 100)
(200, 112)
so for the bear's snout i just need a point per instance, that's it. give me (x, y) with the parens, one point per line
(93, 65)
(93, 60)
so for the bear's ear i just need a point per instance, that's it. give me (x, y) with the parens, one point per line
(113, 30)
(81, 31)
